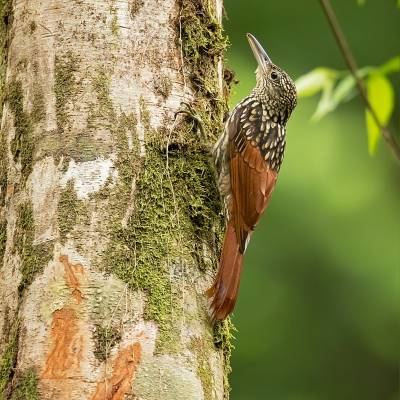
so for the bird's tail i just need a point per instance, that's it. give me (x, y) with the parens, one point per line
(226, 286)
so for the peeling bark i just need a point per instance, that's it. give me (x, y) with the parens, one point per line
(110, 221)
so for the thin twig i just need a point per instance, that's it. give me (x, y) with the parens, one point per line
(352, 65)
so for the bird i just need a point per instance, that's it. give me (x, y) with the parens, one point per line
(248, 156)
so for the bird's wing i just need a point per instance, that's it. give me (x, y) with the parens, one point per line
(252, 179)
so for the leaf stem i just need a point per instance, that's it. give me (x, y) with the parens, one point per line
(352, 65)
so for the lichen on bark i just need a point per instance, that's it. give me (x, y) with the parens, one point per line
(23, 144)
(34, 257)
(65, 86)
(25, 386)
(68, 209)
(5, 21)
(9, 355)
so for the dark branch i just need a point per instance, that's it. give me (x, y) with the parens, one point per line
(352, 65)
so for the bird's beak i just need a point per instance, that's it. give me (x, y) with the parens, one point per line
(259, 53)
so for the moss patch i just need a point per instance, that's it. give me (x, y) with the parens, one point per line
(203, 45)
(65, 86)
(33, 257)
(101, 81)
(223, 339)
(6, 16)
(174, 208)
(105, 338)
(138, 251)
(67, 210)
(25, 387)
(38, 109)
(22, 146)
(8, 359)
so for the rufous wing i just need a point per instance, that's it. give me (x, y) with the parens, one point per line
(252, 183)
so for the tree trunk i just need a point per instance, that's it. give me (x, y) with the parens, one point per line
(111, 222)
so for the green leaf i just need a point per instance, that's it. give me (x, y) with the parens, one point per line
(360, 2)
(393, 65)
(344, 89)
(315, 81)
(326, 103)
(381, 97)
(333, 96)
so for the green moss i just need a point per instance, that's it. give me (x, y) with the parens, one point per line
(105, 338)
(22, 146)
(65, 86)
(67, 209)
(8, 359)
(101, 81)
(203, 45)
(223, 339)
(173, 208)
(25, 387)
(33, 257)
(38, 109)
(138, 252)
(6, 15)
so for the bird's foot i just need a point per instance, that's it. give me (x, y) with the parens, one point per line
(188, 110)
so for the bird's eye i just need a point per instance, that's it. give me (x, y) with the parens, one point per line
(274, 76)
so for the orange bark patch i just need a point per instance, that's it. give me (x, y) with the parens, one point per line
(125, 364)
(64, 358)
(71, 277)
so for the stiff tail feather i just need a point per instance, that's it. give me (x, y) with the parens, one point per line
(226, 286)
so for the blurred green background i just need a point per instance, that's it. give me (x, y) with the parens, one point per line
(318, 312)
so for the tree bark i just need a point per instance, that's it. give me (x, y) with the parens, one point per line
(111, 222)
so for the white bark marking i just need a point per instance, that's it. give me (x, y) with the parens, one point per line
(89, 176)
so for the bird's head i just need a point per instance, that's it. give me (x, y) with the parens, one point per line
(274, 86)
